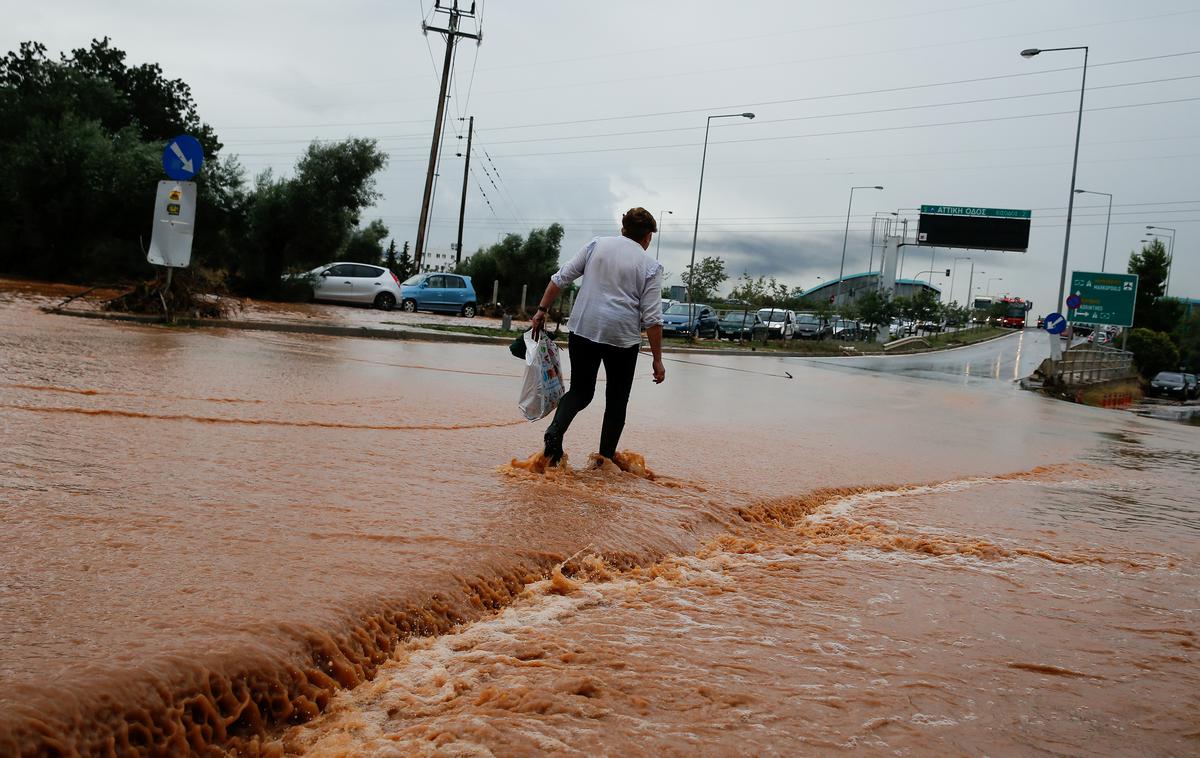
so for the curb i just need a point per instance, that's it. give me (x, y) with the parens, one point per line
(274, 326)
(417, 334)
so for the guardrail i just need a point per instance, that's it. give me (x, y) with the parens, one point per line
(1088, 364)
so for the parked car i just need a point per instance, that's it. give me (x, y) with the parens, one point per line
(697, 320)
(1169, 384)
(435, 291)
(901, 328)
(780, 322)
(1193, 383)
(850, 331)
(353, 283)
(735, 324)
(811, 327)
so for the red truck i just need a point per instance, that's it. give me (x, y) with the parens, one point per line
(1015, 312)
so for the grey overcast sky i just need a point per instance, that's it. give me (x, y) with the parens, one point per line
(583, 110)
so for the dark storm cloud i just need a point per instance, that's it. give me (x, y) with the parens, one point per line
(794, 260)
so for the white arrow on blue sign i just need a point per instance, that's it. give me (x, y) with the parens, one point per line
(182, 158)
(1055, 323)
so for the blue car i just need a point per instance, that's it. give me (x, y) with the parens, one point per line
(436, 291)
(701, 321)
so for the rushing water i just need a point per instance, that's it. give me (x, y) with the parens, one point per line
(207, 536)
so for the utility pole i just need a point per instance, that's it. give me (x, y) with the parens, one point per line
(462, 207)
(452, 32)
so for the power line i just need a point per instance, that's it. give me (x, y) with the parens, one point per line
(485, 197)
(854, 131)
(710, 43)
(503, 188)
(873, 111)
(758, 104)
(857, 54)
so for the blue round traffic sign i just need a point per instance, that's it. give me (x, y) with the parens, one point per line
(1073, 301)
(182, 158)
(1055, 323)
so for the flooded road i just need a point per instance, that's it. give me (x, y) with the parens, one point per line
(206, 535)
(1009, 358)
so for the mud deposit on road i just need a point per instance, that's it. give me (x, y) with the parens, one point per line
(284, 543)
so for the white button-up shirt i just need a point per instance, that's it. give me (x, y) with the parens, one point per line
(621, 293)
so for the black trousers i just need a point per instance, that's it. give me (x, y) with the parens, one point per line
(619, 364)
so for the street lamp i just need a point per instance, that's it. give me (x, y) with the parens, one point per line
(658, 248)
(842, 269)
(993, 279)
(1170, 254)
(1029, 53)
(1107, 223)
(699, 194)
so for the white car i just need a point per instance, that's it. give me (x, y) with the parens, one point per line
(779, 322)
(355, 283)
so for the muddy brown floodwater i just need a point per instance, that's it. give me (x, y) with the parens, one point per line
(288, 544)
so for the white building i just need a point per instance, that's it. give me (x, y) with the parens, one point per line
(439, 260)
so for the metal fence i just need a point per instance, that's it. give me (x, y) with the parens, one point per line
(1089, 364)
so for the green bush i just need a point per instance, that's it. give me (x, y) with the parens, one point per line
(1152, 351)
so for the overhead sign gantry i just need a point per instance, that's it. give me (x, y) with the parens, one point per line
(974, 228)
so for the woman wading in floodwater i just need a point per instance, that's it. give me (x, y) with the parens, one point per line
(620, 296)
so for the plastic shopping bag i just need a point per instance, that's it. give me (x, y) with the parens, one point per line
(542, 386)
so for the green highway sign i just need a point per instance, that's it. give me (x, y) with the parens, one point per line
(962, 210)
(1106, 299)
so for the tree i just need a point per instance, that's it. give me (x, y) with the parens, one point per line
(306, 220)
(709, 274)
(80, 140)
(404, 264)
(1152, 310)
(516, 263)
(876, 309)
(366, 245)
(957, 315)
(1187, 338)
(921, 307)
(1152, 351)
(158, 107)
(389, 260)
(80, 145)
(754, 291)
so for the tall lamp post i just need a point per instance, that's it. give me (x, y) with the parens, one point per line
(993, 279)
(1107, 223)
(846, 235)
(658, 247)
(1029, 53)
(699, 194)
(1170, 254)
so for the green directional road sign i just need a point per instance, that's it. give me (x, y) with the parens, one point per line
(962, 210)
(1106, 299)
